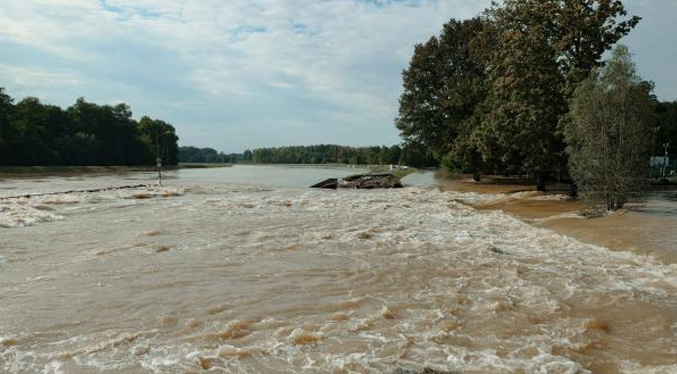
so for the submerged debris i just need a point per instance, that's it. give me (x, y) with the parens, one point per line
(424, 371)
(497, 250)
(362, 181)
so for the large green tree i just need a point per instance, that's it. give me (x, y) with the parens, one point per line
(609, 135)
(444, 87)
(160, 137)
(546, 47)
(526, 100)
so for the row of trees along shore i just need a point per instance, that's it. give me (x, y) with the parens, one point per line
(522, 89)
(84, 134)
(316, 154)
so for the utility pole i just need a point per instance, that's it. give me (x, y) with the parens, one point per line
(653, 150)
(158, 160)
(665, 159)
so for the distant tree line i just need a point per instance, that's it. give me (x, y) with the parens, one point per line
(337, 154)
(190, 154)
(84, 134)
(410, 155)
(505, 92)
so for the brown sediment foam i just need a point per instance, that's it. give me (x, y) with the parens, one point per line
(216, 309)
(388, 314)
(8, 342)
(364, 235)
(304, 339)
(204, 363)
(169, 321)
(340, 316)
(234, 330)
(142, 195)
(598, 325)
(234, 353)
(162, 248)
(121, 339)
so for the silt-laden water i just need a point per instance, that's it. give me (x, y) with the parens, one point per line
(210, 273)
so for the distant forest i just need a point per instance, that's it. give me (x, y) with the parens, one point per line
(190, 154)
(316, 154)
(84, 134)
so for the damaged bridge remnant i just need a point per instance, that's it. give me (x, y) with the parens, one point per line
(361, 181)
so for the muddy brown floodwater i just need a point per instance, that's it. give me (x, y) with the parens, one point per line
(214, 274)
(648, 227)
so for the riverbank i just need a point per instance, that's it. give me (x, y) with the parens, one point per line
(23, 171)
(643, 228)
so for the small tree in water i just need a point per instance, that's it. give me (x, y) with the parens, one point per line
(608, 134)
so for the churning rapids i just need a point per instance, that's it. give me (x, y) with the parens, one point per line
(220, 277)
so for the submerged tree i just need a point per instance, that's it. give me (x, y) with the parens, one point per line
(609, 135)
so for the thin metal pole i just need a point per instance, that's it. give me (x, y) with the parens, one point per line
(665, 160)
(157, 159)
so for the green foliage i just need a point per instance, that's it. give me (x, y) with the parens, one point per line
(609, 135)
(209, 156)
(444, 87)
(525, 100)
(666, 127)
(160, 137)
(32, 133)
(546, 48)
(491, 93)
(336, 154)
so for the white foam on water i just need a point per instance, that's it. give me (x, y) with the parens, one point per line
(19, 213)
(356, 281)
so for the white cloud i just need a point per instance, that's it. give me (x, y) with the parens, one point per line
(333, 61)
(35, 77)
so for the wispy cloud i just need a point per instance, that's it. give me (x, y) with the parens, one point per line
(36, 78)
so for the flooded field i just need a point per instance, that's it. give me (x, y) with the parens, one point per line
(244, 270)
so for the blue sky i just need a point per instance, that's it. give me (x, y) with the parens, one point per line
(241, 74)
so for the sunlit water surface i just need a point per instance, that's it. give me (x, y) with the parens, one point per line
(245, 270)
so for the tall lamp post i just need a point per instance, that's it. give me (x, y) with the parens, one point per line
(158, 160)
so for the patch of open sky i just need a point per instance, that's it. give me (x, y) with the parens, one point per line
(250, 29)
(127, 13)
(303, 29)
(385, 3)
(14, 53)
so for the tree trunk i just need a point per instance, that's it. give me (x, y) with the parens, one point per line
(540, 181)
(574, 190)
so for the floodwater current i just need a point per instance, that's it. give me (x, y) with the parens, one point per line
(246, 270)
